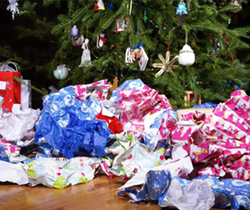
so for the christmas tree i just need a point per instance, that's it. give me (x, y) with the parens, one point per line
(104, 30)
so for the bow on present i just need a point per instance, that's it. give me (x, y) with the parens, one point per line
(166, 65)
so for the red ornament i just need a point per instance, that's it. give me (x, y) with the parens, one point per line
(96, 7)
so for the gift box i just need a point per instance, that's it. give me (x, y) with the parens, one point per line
(10, 90)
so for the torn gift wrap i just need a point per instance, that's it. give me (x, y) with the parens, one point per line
(61, 172)
(177, 168)
(138, 158)
(227, 192)
(123, 142)
(186, 195)
(97, 90)
(158, 126)
(18, 124)
(88, 137)
(13, 173)
(12, 151)
(137, 100)
(155, 185)
(3, 154)
(227, 130)
(113, 123)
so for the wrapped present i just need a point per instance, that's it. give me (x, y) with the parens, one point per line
(10, 89)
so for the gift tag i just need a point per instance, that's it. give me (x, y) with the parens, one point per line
(2, 85)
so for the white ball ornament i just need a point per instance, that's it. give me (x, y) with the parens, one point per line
(186, 56)
(61, 72)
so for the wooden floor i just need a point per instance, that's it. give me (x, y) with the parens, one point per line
(100, 193)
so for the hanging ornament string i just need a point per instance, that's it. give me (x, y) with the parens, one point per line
(168, 47)
(138, 31)
(130, 9)
(186, 38)
(228, 54)
(188, 5)
(225, 38)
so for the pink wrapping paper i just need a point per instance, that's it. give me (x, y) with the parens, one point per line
(136, 104)
(221, 146)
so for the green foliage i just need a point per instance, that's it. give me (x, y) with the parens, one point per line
(213, 76)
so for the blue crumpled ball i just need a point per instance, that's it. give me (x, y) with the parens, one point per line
(69, 124)
(86, 136)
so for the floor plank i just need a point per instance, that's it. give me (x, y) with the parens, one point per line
(99, 193)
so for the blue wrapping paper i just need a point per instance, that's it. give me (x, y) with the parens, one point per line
(3, 155)
(87, 136)
(155, 185)
(68, 124)
(229, 192)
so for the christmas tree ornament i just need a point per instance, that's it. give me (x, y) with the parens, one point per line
(77, 41)
(236, 3)
(61, 72)
(86, 58)
(137, 54)
(13, 7)
(133, 53)
(99, 5)
(111, 6)
(186, 56)
(74, 31)
(181, 10)
(166, 65)
(121, 25)
(101, 40)
(145, 18)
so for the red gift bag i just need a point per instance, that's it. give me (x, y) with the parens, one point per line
(10, 89)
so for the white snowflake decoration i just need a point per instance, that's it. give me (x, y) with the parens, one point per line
(13, 7)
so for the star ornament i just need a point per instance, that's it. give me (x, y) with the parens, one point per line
(166, 65)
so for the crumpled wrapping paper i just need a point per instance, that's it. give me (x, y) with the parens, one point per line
(136, 159)
(97, 90)
(12, 151)
(13, 173)
(62, 104)
(18, 124)
(158, 126)
(219, 142)
(136, 101)
(61, 172)
(181, 193)
(195, 195)
(180, 168)
(88, 136)
(229, 192)
(155, 185)
(71, 113)
(3, 154)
